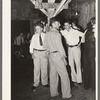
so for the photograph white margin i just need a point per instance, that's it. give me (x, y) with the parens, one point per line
(6, 50)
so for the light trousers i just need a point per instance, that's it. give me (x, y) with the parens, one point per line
(40, 67)
(74, 55)
(58, 67)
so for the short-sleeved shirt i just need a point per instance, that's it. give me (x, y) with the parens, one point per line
(72, 36)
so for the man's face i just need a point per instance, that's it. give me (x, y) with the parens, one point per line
(67, 26)
(38, 29)
(21, 34)
(56, 25)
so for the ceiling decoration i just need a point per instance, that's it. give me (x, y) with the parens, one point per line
(24, 9)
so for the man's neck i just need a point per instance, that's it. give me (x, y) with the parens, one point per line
(68, 30)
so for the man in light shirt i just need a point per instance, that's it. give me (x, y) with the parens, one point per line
(74, 38)
(39, 55)
(53, 43)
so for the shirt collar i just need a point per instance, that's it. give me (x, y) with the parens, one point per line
(53, 29)
(69, 30)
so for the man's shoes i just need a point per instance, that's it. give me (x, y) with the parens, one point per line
(80, 84)
(46, 85)
(70, 98)
(75, 86)
(33, 88)
(55, 96)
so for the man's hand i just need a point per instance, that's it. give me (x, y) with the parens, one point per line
(46, 54)
(32, 55)
(64, 59)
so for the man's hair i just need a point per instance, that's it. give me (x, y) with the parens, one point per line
(68, 21)
(39, 24)
(53, 20)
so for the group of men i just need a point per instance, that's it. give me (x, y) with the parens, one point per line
(47, 50)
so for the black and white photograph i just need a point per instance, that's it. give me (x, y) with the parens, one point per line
(53, 50)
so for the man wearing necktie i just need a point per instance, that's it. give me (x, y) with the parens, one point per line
(39, 55)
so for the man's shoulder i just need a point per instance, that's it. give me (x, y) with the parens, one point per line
(64, 32)
(34, 36)
(50, 32)
(77, 31)
(43, 33)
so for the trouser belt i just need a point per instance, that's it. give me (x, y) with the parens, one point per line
(54, 52)
(39, 50)
(72, 46)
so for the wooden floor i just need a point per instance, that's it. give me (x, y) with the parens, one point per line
(21, 83)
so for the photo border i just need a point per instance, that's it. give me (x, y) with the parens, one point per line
(5, 51)
(0, 49)
(98, 7)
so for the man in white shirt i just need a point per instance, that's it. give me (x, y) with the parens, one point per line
(39, 55)
(73, 39)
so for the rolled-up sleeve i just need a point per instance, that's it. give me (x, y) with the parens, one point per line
(83, 37)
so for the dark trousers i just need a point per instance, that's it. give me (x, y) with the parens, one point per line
(88, 61)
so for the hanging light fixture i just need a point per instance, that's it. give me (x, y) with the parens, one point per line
(76, 9)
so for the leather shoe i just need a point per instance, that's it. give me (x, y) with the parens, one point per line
(33, 88)
(71, 98)
(74, 86)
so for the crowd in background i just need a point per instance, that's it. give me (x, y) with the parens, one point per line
(20, 44)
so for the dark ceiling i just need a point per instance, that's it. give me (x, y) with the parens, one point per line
(57, 1)
(24, 9)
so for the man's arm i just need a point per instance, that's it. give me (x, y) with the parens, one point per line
(31, 45)
(81, 37)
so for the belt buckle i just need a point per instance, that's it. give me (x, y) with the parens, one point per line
(54, 52)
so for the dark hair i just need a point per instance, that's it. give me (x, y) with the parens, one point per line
(52, 20)
(68, 21)
(39, 24)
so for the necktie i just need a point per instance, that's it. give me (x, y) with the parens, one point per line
(40, 40)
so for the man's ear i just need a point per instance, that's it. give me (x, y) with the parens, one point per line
(52, 24)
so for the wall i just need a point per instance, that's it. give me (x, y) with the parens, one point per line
(24, 10)
(87, 11)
